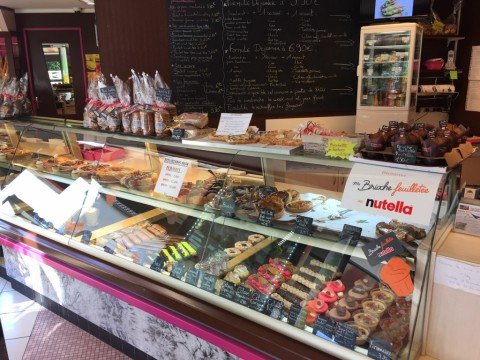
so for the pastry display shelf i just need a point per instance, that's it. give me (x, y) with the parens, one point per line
(184, 209)
(384, 76)
(387, 47)
(77, 129)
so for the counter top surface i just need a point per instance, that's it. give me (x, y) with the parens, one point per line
(461, 247)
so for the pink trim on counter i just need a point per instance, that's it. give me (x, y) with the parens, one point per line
(194, 328)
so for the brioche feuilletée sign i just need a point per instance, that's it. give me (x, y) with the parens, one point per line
(400, 194)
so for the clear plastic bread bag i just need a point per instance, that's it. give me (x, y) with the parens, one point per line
(125, 114)
(90, 118)
(109, 115)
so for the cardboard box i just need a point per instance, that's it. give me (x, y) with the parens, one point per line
(467, 219)
(470, 170)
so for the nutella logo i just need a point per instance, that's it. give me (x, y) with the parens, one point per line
(398, 207)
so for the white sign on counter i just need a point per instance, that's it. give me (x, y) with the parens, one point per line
(400, 194)
(233, 124)
(172, 175)
(457, 275)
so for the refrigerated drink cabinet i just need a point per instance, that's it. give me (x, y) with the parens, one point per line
(388, 72)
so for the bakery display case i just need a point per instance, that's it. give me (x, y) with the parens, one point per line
(262, 235)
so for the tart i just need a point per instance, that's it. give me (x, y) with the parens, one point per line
(358, 293)
(299, 206)
(285, 196)
(69, 165)
(272, 203)
(294, 194)
(350, 303)
(385, 296)
(328, 296)
(366, 282)
(140, 180)
(374, 307)
(339, 313)
(87, 170)
(366, 320)
(362, 332)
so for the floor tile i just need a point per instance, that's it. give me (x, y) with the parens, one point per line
(18, 325)
(12, 301)
(16, 348)
(8, 287)
(2, 283)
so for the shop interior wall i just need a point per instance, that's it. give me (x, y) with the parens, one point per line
(84, 21)
(471, 29)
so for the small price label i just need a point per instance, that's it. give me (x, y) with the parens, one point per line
(163, 94)
(324, 327)
(228, 207)
(453, 75)
(242, 295)
(158, 264)
(258, 301)
(178, 134)
(265, 217)
(303, 225)
(208, 282)
(382, 249)
(110, 247)
(380, 349)
(297, 316)
(109, 92)
(86, 236)
(227, 290)
(178, 270)
(192, 276)
(405, 154)
(274, 309)
(345, 336)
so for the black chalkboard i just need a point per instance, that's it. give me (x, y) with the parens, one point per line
(242, 295)
(86, 236)
(380, 349)
(345, 336)
(265, 217)
(178, 134)
(208, 282)
(324, 326)
(274, 309)
(178, 270)
(382, 249)
(192, 276)
(297, 316)
(258, 301)
(405, 154)
(110, 247)
(109, 92)
(303, 225)
(227, 290)
(272, 57)
(228, 207)
(158, 264)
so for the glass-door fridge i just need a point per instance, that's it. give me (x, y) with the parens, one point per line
(388, 71)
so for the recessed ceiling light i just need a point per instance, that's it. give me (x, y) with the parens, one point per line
(88, 2)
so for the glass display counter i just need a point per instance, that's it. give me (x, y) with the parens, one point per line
(263, 235)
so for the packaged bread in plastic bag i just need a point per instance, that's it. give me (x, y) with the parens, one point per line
(126, 110)
(198, 120)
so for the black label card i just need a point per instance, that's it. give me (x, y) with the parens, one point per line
(228, 207)
(158, 264)
(109, 91)
(258, 301)
(192, 276)
(265, 190)
(208, 282)
(380, 349)
(108, 250)
(324, 326)
(163, 94)
(86, 236)
(178, 270)
(297, 316)
(242, 295)
(303, 225)
(345, 336)
(274, 309)
(178, 134)
(405, 154)
(443, 124)
(382, 249)
(265, 217)
(110, 246)
(227, 290)
(393, 124)
(350, 229)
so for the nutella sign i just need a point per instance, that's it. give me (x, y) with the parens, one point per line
(401, 194)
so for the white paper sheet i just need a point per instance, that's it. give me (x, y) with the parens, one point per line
(457, 275)
(473, 96)
(172, 175)
(474, 72)
(233, 124)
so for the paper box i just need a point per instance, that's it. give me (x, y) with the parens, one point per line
(467, 219)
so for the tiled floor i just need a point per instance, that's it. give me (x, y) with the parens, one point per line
(35, 333)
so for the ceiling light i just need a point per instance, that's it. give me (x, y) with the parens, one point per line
(88, 2)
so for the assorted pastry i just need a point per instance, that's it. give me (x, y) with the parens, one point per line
(402, 231)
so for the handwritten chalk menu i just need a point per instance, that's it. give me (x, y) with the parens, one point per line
(171, 177)
(382, 249)
(324, 327)
(345, 336)
(405, 154)
(264, 56)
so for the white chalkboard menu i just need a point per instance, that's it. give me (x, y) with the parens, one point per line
(276, 56)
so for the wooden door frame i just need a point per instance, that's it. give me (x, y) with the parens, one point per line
(29, 65)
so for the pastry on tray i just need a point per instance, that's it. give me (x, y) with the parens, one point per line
(111, 174)
(299, 206)
(281, 137)
(272, 203)
(87, 170)
(140, 180)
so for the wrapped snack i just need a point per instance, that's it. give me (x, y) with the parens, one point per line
(109, 116)
(143, 123)
(90, 112)
(199, 120)
(163, 96)
(26, 105)
(125, 113)
(9, 93)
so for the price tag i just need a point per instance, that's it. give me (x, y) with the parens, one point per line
(380, 349)
(303, 225)
(86, 236)
(297, 316)
(227, 290)
(109, 92)
(405, 154)
(443, 124)
(258, 301)
(233, 124)
(178, 270)
(265, 190)
(393, 124)
(265, 217)
(228, 207)
(345, 336)
(274, 309)
(350, 229)
(163, 94)
(192, 276)
(382, 249)
(110, 247)
(342, 149)
(242, 295)
(172, 175)
(178, 134)
(324, 327)
(208, 282)
(158, 264)
(453, 75)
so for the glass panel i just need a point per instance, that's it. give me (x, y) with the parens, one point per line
(386, 58)
(57, 57)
